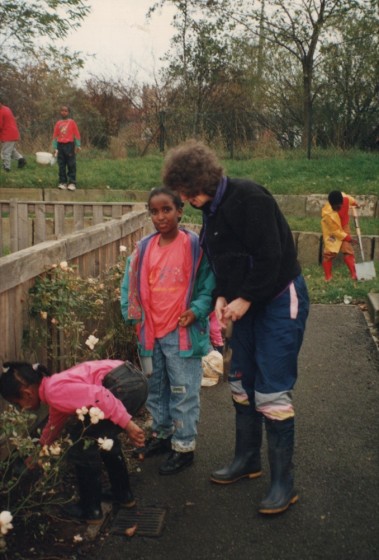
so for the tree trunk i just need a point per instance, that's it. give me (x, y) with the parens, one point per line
(307, 107)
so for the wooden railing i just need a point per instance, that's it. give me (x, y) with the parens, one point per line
(92, 251)
(24, 224)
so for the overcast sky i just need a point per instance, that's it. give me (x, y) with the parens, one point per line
(117, 32)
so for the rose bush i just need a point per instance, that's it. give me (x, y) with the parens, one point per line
(74, 319)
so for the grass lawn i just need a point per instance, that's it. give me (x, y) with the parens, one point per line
(354, 172)
(341, 285)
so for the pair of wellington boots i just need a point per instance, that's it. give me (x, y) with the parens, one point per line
(90, 488)
(349, 260)
(247, 458)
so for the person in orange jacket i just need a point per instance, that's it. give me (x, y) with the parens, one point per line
(336, 232)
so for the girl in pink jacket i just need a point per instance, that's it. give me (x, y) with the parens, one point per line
(110, 390)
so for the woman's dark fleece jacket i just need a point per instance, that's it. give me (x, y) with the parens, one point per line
(248, 242)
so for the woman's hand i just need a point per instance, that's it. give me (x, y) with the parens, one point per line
(221, 303)
(236, 309)
(136, 434)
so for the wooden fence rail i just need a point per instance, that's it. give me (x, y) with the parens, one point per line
(92, 251)
(23, 224)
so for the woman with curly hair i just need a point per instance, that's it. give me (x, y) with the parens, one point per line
(259, 287)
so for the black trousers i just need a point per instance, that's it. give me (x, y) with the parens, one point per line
(67, 162)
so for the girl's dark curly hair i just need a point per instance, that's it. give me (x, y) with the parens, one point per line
(192, 168)
(18, 374)
(177, 201)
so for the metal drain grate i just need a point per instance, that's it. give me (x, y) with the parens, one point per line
(149, 521)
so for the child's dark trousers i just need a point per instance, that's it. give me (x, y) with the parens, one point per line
(67, 162)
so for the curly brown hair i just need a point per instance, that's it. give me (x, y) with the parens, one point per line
(192, 168)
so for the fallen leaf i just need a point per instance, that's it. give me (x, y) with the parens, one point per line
(131, 531)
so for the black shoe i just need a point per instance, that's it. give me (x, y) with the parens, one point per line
(154, 446)
(126, 500)
(75, 511)
(21, 163)
(176, 462)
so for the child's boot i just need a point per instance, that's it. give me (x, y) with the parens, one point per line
(327, 266)
(89, 506)
(350, 263)
(118, 478)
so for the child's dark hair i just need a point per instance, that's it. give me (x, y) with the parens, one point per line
(164, 190)
(335, 198)
(18, 374)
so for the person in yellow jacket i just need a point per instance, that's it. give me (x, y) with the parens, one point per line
(336, 232)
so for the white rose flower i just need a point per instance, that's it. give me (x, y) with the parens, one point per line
(77, 538)
(55, 449)
(96, 415)
(81, 412)
(5, 522)
(123, 249)
(44, 451)
(105, 444)
(91, 341)
(63, 265)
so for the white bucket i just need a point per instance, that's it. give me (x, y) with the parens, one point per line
(44, 158)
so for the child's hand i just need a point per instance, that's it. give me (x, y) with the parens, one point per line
(136, 434)
(187, 318)
(55, 153)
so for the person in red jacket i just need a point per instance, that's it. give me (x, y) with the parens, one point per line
(9, 135)
(66, 140)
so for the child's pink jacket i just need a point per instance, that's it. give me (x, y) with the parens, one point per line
(76, 387)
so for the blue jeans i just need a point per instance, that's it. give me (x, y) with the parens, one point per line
(174, 393)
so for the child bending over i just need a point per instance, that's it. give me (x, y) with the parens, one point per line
(117, 388)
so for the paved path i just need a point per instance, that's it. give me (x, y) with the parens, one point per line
(336, 518)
